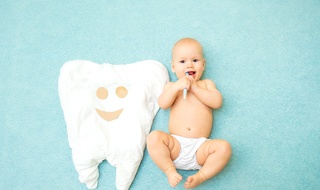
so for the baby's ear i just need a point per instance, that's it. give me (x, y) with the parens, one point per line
(172, 67)
(204, 63)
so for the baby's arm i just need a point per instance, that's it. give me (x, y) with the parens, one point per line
(171, 91)
(209, 95)
(168, 96)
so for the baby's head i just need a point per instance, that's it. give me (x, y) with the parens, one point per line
(187, 56)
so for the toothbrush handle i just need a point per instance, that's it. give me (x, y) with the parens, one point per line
(184, 93)
(185, 90)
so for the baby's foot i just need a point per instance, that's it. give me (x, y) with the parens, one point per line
(173, 176)
(194, 180)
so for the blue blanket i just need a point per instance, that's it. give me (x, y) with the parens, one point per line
(262, 55)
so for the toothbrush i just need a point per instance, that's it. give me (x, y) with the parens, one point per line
(185, 90)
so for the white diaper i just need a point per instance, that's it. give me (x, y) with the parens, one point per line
(187, 159)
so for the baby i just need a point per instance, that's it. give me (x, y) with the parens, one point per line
(187, 147)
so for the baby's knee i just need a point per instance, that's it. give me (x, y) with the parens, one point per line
(225, 148)
(154, 137)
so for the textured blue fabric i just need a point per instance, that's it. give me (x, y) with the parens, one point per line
(264, 57)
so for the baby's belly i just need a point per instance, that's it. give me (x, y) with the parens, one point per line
(190, 121)
(190, 129)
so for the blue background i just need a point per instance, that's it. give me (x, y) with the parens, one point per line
(264, 57)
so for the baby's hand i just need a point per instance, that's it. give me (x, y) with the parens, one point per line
(185, 82)
(194, 84)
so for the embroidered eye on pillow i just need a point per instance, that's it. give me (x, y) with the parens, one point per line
(109, 110)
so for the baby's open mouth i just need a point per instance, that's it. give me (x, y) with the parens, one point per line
(191, 73)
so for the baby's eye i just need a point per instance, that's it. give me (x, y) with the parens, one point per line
(196, 60)
(182, 61)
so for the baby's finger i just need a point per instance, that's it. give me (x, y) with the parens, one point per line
(191, 79)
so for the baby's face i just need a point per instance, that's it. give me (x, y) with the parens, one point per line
(188, 57)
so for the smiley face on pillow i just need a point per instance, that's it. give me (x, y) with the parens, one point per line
(102, 93)
(109, 110)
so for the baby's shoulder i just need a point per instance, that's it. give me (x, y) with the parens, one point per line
(207, 83)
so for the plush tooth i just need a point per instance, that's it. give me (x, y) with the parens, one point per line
(86, 87)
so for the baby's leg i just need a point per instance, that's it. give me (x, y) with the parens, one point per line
(163, 148)
(173, 176)
(213, 155)
(195, 180)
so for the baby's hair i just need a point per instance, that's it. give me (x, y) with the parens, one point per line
(187, 40)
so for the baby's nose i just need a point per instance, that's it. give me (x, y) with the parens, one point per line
(190, 64)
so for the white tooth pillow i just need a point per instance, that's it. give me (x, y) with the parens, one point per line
(109, 110)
